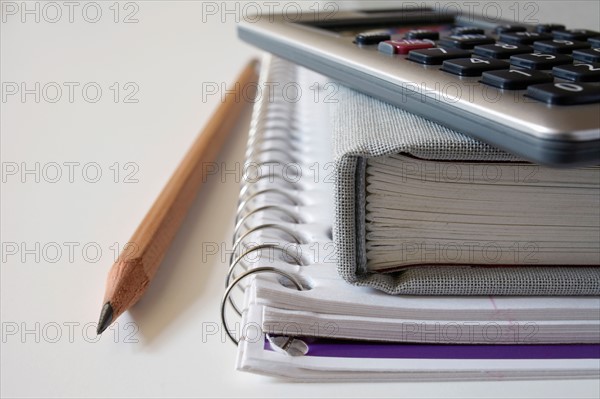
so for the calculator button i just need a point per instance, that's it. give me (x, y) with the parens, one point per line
(510, 28)
(548, 28)
(559, 46)
(589, 55)
(501, 50)
(403, 46)
(524, 37)
(465, 41)
(539, 60)
(437, 55)
(467, 30)
(371, 37)
(472, 66)
(515, 79)
(594, 41)
(423, 34)
(565, 93)
(575, 34)
(578, 72)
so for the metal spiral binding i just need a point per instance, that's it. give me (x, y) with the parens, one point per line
(278, 208)
(230, 274)
(274, 123)
(261, 227)
(240, 278)
(245, 199)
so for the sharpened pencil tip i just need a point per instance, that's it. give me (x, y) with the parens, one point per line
(106, 317)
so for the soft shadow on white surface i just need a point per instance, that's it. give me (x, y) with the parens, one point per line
(182, 277)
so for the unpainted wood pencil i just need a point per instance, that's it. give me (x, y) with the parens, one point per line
(133, 271)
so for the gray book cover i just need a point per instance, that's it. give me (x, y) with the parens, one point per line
(363, 128)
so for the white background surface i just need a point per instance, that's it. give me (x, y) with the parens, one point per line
(48, 347)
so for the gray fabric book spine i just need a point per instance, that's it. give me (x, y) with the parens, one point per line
(364, 127)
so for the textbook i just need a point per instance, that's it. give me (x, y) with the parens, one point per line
(421, 209)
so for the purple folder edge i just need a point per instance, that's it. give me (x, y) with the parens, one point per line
(391, 350)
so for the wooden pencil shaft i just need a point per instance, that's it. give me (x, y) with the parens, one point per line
(138, 262)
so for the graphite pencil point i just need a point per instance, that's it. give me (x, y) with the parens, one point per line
(106, 317)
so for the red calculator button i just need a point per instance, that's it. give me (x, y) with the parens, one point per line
(403, 46)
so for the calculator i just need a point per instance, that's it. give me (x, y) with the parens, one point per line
(532, 90)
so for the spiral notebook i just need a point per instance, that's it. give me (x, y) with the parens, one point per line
(301, 320)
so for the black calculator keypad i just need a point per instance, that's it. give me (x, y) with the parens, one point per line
(575, 34)
(501, 50)
(465, 42)
(510, 28)
(565, 93)
(472, 66)
(524, 37)
(515, 79)
(371, 37)
(421, 34)
(553, 65)
(548, 28)
(437, 55)
(467, 30)
(538, 61)
(578, 72)
(559, 46)
(589, 55)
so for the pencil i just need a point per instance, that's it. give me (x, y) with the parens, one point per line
(137, 264)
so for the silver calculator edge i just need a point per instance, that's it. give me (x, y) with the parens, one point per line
(552, 135)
